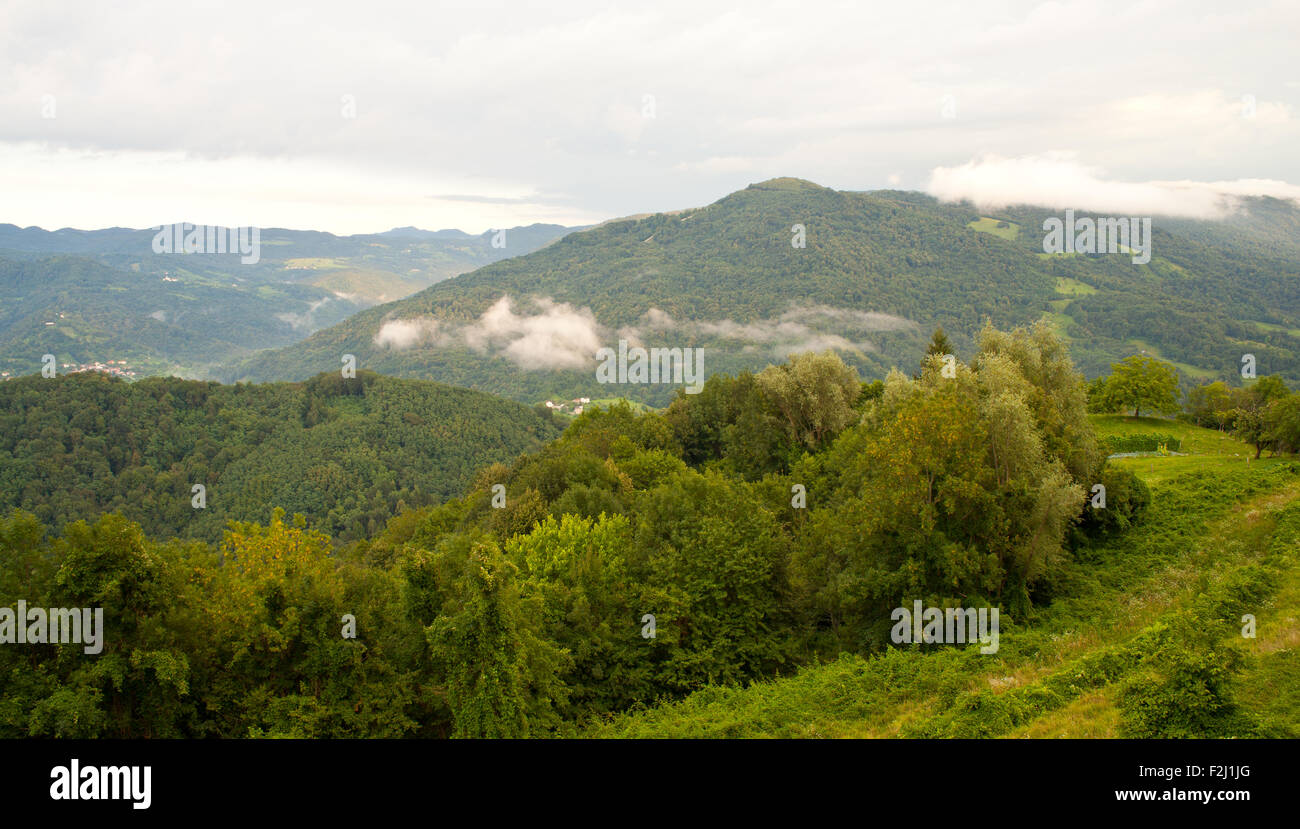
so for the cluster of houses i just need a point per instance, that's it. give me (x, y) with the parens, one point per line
(573, 406)
(115, 367)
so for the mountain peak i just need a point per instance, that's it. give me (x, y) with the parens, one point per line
(786, 183)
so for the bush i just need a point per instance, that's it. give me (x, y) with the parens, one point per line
(1127, 497)
(1114, 444)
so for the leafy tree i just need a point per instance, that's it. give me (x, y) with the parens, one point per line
(813, 395)
(1210, 405)
(477, 646)
(1281, 424)
(1139, 383)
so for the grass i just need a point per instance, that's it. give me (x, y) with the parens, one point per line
(1196, 440)
(381, 286)
(1073, 287)
(1093, 715)
(1003, 230)
(1060, 324)
(1203, 449)
(312, 263)
(1270, 327)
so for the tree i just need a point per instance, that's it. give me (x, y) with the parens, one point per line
(1144, 383)
(1255, 421)
(1210, 405)
(1282, 424)
(939, 344)
(478, 648)
(1250, 428)
(1270, 388)
(814, 394)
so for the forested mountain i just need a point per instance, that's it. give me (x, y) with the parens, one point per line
(96, 296)
(878, 271)
(346, 453)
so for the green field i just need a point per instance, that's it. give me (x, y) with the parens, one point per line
(1000, 229)
(1270, 327)
(1060, 324)
(1195, 372)
(1073, 287)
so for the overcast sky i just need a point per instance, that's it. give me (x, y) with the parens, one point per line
(358, 117)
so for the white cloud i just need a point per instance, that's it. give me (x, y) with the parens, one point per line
(558, 337)
(403, 334)
(1059, 180)
(562, 337)
(798, 329)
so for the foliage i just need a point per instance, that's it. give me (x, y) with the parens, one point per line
(347, 453)
(1142, 442)
(1139, 383)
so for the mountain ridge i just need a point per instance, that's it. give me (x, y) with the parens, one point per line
(878, 270)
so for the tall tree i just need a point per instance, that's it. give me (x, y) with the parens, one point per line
(1144, 383)
(483, 647)
(939, 343)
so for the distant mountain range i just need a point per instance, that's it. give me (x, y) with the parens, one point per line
(100, 295)
(876, 272)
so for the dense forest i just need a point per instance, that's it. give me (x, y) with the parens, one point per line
(751, 539)
(875, 273)
(345, 453)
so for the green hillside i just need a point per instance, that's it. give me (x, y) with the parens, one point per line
(878, 271)
(1220, 540)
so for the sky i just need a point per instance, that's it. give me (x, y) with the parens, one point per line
(356, 118)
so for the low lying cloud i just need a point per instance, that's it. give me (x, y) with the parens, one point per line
(307, 320)
(403, 334)
(799, 329)
(1060, 181)
(559, 336)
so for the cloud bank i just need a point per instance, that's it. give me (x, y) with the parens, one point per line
(799, 329)
(1060, 181)
(559, 336)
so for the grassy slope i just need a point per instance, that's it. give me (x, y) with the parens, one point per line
(1213, 516)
